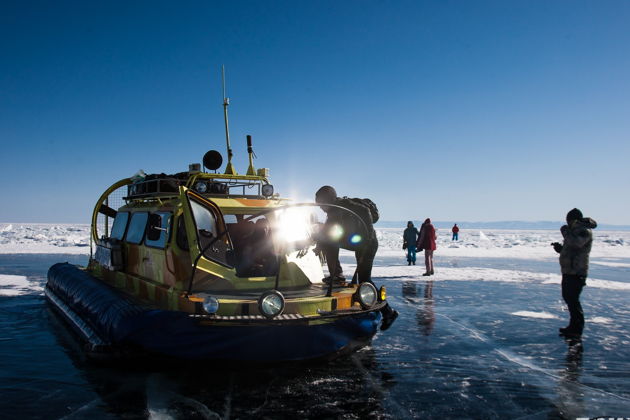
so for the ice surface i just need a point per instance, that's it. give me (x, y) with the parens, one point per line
(479, 339)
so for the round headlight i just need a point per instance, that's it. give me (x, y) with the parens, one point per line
(201, 187)
(366, 295)
(267, 190)
(271, 304)
(210, 304)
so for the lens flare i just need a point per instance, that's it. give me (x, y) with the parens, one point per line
(293, 224)
(335, 232)
(355, 239)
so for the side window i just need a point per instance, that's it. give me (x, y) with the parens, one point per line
(137, 226)
(120, 225)
(164, 229)
(204, 219)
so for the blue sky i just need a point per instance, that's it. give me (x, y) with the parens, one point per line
(454, 110)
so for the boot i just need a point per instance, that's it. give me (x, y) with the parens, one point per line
(427, 273)
(335, 279)
(388, 319)
(570, 332)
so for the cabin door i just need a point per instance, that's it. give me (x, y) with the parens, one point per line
(205, 228)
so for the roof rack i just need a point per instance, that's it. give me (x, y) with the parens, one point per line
(223, 185)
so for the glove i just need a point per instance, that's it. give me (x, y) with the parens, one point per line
(557, 247)
(404, 245)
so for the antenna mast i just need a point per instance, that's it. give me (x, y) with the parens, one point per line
(229, 169)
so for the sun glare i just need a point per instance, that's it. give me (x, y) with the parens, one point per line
(293, 224)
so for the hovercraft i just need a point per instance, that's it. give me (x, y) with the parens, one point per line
(202, 265)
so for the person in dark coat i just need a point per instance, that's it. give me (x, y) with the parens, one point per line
(455, 231)
(574, 255)
(427, 243)
(364, 247)
(410, 237)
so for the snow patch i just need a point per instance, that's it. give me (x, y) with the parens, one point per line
(612, 264)
(410, 273)
(539, 315)
(11, 285)
(600, 320)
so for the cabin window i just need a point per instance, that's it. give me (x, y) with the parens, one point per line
(120, 225)
(253, 245)
(207, 232)
(164, 228)
(137, 226)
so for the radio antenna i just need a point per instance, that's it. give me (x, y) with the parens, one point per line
(229, 169)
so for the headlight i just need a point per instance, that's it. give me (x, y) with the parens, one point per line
(201, 187)
(366, 295)
(267, 190)
(382, 294)
(210, 304)
(271, 304)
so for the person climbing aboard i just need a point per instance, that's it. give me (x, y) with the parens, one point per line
(364, 248)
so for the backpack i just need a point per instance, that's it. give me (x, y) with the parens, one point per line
(369, 204)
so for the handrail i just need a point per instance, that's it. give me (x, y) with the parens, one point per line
(99, 203)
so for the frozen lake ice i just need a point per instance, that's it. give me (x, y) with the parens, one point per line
(476, 340)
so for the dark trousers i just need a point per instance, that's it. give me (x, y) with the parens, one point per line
(332, 260)
(571, 288)
(365, 260)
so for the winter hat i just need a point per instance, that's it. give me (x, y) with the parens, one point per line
(410, 223)
(325, 194)
(428, 220)
(574, 214)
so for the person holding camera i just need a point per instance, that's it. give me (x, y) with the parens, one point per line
(574, 255)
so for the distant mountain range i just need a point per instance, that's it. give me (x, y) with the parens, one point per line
(509, 225)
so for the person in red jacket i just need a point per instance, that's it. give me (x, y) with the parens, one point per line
(455, 231)
(427, 242)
